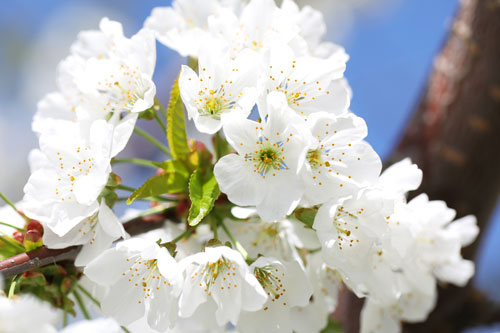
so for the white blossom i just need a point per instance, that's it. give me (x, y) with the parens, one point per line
(310, 84)
(220, 280)
(270, 156)
(339, 162)
(15, 311)
(138, 272)
(326, 283)
(182, 26)
(287, 286)
(222, 86)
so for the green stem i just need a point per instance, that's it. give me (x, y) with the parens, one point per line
(125, 329)
(81, 305)
(18, 248)
(89, 295)
(152, 140)
(187, 232)
(154, 199)
(8, 202)
(239, 247)
(125, 188)
(65, 319)
(160, 122)
(162, 109)
(136, 161)
(12, 288)
(13, 227)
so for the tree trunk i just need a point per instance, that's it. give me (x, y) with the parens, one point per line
(454, 137)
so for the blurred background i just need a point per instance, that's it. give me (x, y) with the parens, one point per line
(392, 44)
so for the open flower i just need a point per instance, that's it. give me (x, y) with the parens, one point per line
(270, 156)
(182, 26)
(339, 162)
(286, 285)
(64, 191)
(96, 233)
(138, 272)
(219, 278)
(222, 87)
(310, 84)
(350, 231)
(105, 73)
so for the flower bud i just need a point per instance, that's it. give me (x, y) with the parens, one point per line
(35, 225)
(32, 240)
(18, 236)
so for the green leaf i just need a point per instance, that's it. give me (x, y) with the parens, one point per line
(174, 180)
(203, 191)
(306, 215)
(176, 125)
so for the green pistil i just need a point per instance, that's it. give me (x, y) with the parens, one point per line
(314, 158)
(268, 281)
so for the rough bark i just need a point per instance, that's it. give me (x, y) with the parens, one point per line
(454, 137)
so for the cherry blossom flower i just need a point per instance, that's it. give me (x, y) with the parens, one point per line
(310, 84)
(219, 279)
(339, 162)
(220, 88)
(286, 285)
(182, 26)
(138, 272)
(270, 156)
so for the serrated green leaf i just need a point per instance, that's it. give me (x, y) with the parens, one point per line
(174, 180)
(176, 125)
(203, 191)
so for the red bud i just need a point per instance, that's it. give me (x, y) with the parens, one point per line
(18, 236)
(33, 236)
(35, 225)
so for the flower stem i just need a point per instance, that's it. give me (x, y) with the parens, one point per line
(160, 122)
(17, 247)
(152, 140)
(187, 232)
(125, 188)
(155, 199)
(81, 305)
(12, 287)
(239, 247)
(88, 294)
(136, 161)
(13, 227)
(8, 202)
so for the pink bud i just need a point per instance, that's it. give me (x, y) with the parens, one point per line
(18, 236)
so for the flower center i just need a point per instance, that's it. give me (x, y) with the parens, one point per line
(221, 272)
(270, 278)
(314, 158)
(268, 158)
(144, 274)
(214, 103)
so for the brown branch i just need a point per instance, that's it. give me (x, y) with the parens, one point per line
(44, 256)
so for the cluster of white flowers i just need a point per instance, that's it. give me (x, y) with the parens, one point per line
(311, 211)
